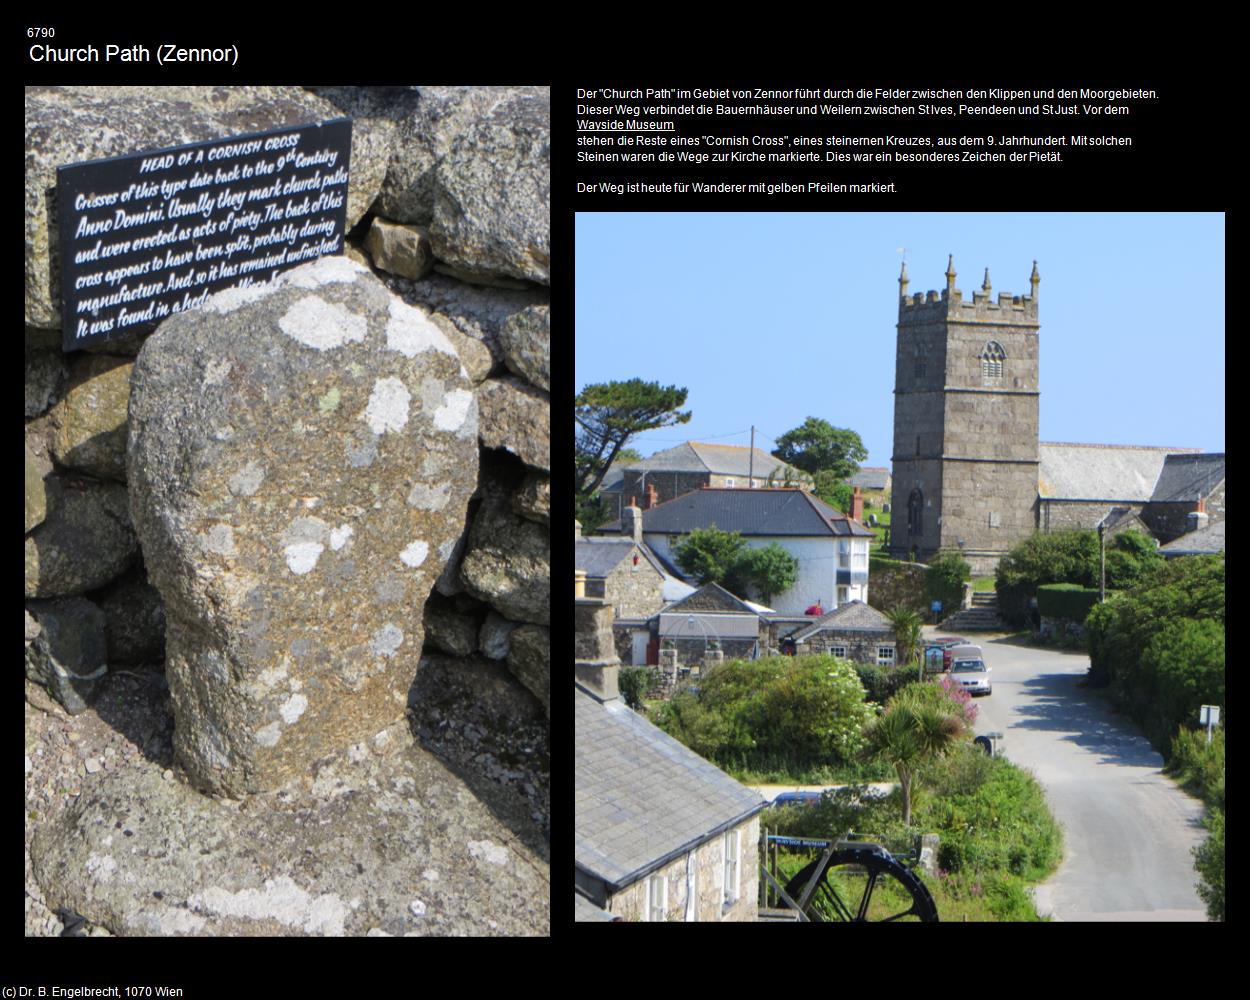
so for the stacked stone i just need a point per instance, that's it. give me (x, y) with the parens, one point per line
(328, 477)
(449, 201)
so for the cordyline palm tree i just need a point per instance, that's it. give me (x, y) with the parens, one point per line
(911, 732)
(907, 630)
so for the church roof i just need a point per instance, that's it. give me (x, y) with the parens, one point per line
(1188, 477)
(750, 512)
(1100, 471)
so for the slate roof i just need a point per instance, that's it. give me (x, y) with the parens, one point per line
(1187, 478)
(1100, 471)
(613, 479)
(751, 512)
(1204, 541)
(870, 478)
(600, 556)
(721, 459)
(640, 797)
(855, 616)
(711, 597)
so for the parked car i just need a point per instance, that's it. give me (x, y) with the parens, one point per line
(797, 799)
(945, 643)
(969, 670)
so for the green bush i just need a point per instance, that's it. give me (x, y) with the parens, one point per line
(707, 732)
(948, 572)
(881, 683)
(633, 682)
(815, 711)
(1062, 557)
(1209, 862)
(1133, 559)
(808, 710)
(1066, 600)
(1197, 766)
(1160, 646)
(1004, 825)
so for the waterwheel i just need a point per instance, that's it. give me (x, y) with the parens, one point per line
(861, 884)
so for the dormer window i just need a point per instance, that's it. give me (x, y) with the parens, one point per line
(992, 358)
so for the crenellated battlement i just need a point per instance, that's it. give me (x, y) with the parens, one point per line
(950, 304)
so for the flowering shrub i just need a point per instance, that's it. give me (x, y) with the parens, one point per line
(960, 697)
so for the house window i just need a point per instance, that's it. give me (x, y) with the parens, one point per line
(885, 656)
(732, 858)
(657, 899)
(992, 358)
(842, 595)
(859, 558)
(730, 481)
(838, 651)
(844, 554)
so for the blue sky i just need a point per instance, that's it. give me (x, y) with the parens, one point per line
(770, 318)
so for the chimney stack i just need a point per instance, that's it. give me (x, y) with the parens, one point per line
(857, 505)
(596, 664)
(652, 496)
(631, 523)
(1198, 518)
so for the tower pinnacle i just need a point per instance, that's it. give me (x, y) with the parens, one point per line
(950, 273)
(902, 281)
(1034, 278)
(985, 285)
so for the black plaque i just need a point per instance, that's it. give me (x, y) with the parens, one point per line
(147, 235)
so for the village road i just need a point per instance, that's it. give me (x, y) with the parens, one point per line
(1128, 829)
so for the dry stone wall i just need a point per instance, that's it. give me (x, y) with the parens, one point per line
(289, 499)
(448, 203)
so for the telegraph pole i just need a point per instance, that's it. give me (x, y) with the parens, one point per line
(751, 462)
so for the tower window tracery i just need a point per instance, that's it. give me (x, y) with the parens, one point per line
(992, 358)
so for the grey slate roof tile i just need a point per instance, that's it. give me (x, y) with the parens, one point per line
(1100, 471)
(855, 616)
(641, 795)
(1187, 478)
(751, 512)
(599, 556)
(719, 459)
(1204, 541)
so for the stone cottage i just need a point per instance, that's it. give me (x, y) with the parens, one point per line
(709, 620)
(660, 834)
(854, 631)
(622, 570)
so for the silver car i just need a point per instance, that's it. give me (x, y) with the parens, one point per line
(969, 670)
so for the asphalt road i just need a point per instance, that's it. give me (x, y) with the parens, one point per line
(1128, 829)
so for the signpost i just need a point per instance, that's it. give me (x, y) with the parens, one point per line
(1209, 716)
(147, 235)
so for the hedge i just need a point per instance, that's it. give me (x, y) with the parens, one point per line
(1066, 600)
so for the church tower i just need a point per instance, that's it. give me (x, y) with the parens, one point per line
(966, 394)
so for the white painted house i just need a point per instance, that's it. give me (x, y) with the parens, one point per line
(831, 547)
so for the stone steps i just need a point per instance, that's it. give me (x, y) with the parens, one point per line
(981, 617)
